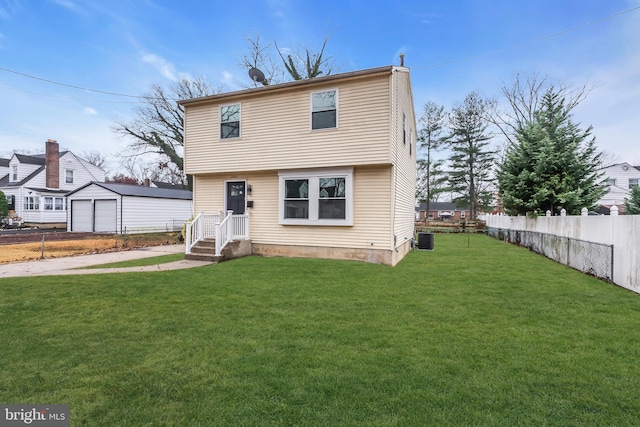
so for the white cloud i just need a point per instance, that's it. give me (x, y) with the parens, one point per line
(90, 111)
(164, 67)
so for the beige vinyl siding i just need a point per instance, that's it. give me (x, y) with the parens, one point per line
(404, 160)
(276, 130)
(372, 212)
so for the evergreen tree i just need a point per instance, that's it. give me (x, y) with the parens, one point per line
(431, 136)
(471, 159)
(4, 207)
(632, 204)
(552, 165)
(431, 181)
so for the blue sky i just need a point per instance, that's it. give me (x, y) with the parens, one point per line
(125, 46)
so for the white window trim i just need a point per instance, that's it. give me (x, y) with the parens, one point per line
(313, 176)
(239, 104)
(311, 109)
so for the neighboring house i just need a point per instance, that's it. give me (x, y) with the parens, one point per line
(37, 185)
(620, 178)
(443, 211)
(160, 184)
(4, 168)
(110, 208)
(325, 167)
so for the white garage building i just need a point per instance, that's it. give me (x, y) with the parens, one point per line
(117, 208)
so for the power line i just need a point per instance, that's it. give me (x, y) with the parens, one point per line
(71, 86)
(530, 42)
(454, 61)
(71, 98)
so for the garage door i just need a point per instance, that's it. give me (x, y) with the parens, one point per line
(81, 215)
(105, 214)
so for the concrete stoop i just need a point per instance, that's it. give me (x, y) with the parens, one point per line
(205, 250)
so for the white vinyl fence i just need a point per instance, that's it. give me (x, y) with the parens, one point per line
(605, 246)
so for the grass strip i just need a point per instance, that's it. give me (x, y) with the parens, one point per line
(140, 262)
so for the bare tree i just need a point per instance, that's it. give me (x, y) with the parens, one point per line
(95, 157)
(159, 126)
(296, 64)
(523, 98)
(258, 57)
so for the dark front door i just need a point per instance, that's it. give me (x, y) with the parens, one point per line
(236, 196)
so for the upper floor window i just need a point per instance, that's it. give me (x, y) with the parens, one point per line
(230, 121)
(633, 182)
(410, 142)
(611, 182)
(404, 129)
(324, 109)
(68, 176)
(14, 173)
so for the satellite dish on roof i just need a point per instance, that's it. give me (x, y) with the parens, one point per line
(257, 76)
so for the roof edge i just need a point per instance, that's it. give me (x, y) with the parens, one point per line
(370, 72)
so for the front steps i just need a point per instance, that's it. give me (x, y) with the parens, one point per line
(205, 250)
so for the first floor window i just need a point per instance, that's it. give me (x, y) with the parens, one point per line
(296, 198)
(32, 203)
(633, 182)
(59, 203)
(317, 198)
(333, 202)
(48, 203)
(611, 182)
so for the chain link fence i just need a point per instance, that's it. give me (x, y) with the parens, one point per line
(592, 258)
(31, 246)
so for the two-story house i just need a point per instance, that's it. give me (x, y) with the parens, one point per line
(36, 186)
(324, 167)
(620, 178)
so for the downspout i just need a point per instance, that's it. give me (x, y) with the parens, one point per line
(121, 199)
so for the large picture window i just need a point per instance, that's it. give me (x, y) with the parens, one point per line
(230, 121)
(316, 197)
(324, 109)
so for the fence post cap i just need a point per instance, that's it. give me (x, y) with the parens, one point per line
(584, 212)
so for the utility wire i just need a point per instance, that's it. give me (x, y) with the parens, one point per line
(70, 98)
(530, 42)
(71, 86)
(440, 64)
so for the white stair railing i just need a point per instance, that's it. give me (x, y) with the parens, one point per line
(224, 228)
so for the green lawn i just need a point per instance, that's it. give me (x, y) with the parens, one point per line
(487, 335)
(140, 262)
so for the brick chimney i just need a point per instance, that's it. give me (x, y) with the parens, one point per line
(52, 164)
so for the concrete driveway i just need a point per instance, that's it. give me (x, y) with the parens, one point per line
(74, 264)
